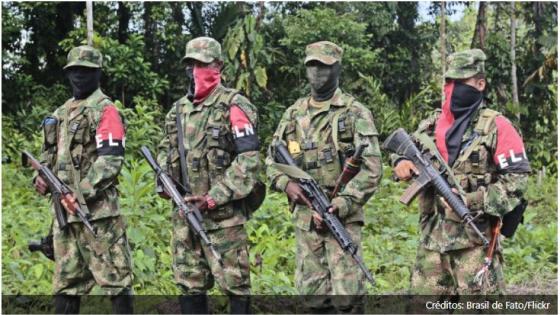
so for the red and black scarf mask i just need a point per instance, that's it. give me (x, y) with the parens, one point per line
(459, 105)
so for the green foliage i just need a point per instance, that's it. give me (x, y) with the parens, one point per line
(128, 74)
(271, 236)
(26, 217)
(245, 51)
(149, 229)
(309, 26)
(143, 125)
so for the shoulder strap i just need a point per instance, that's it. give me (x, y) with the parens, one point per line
(485, 125)
(228, 96)
(336, 117)
(181, 146)
(486, 121)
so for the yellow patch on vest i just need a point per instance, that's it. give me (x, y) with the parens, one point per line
(293, 147)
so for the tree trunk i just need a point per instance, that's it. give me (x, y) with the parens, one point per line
(150, 28)
(443, 42)
(177, 13)
(538, 9)
(514, 91)
(498, 12)
(89, 22)
(124, 18)
(479, 37)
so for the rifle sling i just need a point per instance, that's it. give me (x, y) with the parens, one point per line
(75, 171)
(181, 147)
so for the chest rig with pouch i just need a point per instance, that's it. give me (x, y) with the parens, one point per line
(475, 166)
(69, 140)
(322, 157)
(206, 163)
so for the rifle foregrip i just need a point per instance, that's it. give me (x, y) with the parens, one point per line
(452, 199)
(339, 231)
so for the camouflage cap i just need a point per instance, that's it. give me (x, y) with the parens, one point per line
(203, 49)
(324, 51)
(465, 64)
(84, 56)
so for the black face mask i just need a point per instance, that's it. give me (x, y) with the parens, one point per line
(323, 79)
(83, 80)
(465, 100)
(190, 89)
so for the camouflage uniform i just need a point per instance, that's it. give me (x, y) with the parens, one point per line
(222, 161)
(449, 254)
(319, 139)
(84, 146)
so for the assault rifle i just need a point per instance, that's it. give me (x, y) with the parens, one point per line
(321, 204)
(399, 142)
(192, 214)
(59, 192)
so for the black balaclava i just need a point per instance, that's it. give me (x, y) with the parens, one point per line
(465, 100)
(83, 80)
(190, 78)
(323, 79)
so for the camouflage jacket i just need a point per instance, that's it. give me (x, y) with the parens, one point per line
(84, 146)
(485, 170)
(221, 147)
(319, 142)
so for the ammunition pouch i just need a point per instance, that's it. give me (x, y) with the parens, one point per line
(50, 131)
(50, 136)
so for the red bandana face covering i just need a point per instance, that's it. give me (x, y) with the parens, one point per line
(205, 80)
(457, 109)
(461, 101)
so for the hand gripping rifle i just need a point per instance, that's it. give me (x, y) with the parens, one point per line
(59, 191)
(192, 214)
(321, 204)
(400, 143)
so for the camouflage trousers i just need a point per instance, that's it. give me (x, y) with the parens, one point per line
(454, 272)
(82, 260)
(323, 268)
(195, 268)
